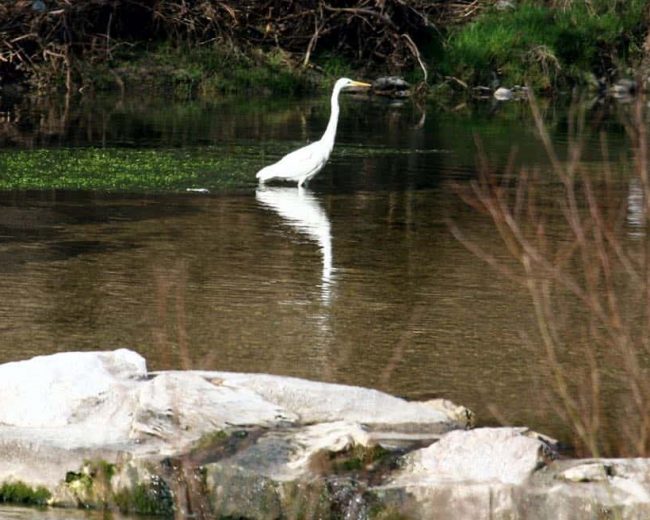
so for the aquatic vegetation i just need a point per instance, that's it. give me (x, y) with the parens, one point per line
(216, 168)
(389, 513)
(78, 480)
(356, 459)
(119, 169)
(360, 458)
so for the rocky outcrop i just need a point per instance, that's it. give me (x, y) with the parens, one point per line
(97, 430)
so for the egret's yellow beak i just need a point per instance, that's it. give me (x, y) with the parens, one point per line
(360, 84)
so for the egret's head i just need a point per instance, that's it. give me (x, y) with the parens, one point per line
(347, 82)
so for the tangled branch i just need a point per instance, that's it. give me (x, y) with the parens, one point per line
(54, 34)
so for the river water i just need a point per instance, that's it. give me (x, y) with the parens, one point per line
(356, 279)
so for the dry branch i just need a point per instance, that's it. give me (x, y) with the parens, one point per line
(581, 261)
(34, 35)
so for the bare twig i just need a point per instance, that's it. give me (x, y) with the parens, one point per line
(416, 53)
(594, 265)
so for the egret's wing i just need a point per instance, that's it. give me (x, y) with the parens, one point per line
(296, 164)
(305, 154)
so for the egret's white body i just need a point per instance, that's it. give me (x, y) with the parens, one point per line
(302, 164)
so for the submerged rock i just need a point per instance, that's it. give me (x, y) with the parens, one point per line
(624, 87)
(506, 94)
(391, 86)
(624, 90)
(504, 5)
(503, 94)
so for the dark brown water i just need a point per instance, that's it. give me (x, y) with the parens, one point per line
(355, 280)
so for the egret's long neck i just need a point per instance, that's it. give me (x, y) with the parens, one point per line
(330, 131)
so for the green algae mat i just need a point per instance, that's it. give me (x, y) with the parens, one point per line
(123, 169)
(215, 168)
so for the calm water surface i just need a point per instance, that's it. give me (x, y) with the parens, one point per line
(356, 279)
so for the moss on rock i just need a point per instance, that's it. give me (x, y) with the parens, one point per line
(18, 492)
(91, 485)
(153, 498)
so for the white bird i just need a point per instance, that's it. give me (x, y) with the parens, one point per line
(302, 164)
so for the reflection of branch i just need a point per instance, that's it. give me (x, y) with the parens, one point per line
(170, 285)
(423, 118)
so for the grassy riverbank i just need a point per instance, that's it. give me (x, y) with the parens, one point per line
(548, 46)
(243, 47)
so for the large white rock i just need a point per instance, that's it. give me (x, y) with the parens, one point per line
(484, 455)
(176, 407)
(332, 437)
(315, 402)
(62, 389)
(267, 442)
(108, 401)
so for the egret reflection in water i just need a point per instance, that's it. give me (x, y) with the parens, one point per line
(302, 211)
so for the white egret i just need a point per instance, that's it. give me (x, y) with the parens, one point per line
(302, 164)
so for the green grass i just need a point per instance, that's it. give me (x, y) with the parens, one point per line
(207, 71)
(335, 66)
(20, 493)
(546, 46)
(118, 169)
(148, 499)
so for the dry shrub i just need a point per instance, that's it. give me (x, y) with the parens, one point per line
(48, 36)
(582, 253)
